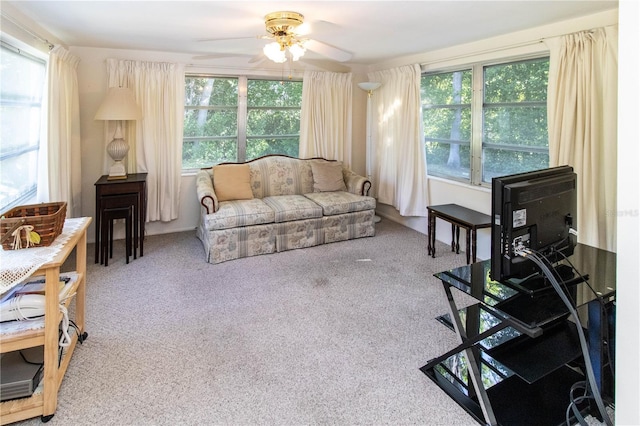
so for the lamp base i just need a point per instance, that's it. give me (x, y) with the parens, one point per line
(117, 171)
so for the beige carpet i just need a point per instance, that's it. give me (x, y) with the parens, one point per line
(333, 334)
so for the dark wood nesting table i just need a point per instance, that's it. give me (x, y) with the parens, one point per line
(122, 189)
(459, 217)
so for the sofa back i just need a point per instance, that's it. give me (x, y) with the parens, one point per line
(281, 175)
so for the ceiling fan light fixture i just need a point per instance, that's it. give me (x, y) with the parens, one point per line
(281, 26)
(297, 51)
(282, 22)
(275, 52)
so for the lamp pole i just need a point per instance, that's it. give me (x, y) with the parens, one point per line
(369, 87)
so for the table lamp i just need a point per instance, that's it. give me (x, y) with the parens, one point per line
(120, 104)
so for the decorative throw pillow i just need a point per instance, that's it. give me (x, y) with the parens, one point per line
(231, 182)
(327, 176)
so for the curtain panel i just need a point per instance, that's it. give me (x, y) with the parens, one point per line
(399, 158)
(582, 121)
(326, 118)
(59, 177)
(156, 140)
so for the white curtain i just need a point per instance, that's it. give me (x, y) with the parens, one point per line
(156, 140)
(582, 120)
(399, 158)
(59, 177)
(325, 122)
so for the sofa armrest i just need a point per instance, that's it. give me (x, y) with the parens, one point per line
(205, 192)
(355, 183)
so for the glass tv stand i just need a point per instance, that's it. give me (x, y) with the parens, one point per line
(519, 354)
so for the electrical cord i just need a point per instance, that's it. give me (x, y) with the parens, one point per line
(65, 339)
(603, 312)
(24, 358)
(529, 254)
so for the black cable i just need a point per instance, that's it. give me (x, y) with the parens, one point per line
(583, 343)
(603, 312)
(29, 362)
(555, 273)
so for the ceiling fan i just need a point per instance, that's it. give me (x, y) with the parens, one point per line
(287, 30)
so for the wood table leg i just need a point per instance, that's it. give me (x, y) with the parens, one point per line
(431, 230)
(474, 236)
(453, 237)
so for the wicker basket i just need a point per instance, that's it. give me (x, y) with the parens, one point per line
(47, 220)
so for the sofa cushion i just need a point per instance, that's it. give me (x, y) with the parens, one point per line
(340, 202)
(280, 176)
(327, 176)
(293, 207)
(231, 182)
(237, 213)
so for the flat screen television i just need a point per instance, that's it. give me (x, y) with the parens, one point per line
(534, 210)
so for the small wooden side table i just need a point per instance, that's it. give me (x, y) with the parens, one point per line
(459, 217)
(110, 190)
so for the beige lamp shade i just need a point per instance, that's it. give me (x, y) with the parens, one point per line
(120, 104)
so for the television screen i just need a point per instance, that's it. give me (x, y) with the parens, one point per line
(535, 211)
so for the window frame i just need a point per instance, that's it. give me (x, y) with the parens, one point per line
(243, 109)
(476, 143)
(21, 49)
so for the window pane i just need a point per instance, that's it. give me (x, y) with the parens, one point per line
(448, 160)
(274, 93)
(264, 146)
(273, 117)
(210, 91)
(515, 137)
(19, 179)
(20, 127)
(210, 121)
(446, 102)
(203, 122)
(512, 125)
(22, 83)
(500, 162)
(273, 122)
(453, 124)
(207, 152)
(524, 81)
(446, 88)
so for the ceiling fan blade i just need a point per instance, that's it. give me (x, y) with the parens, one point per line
(219, 56)
(315, 26)
(328, 51)
(257, 37)
(257, 58)
(224, 39)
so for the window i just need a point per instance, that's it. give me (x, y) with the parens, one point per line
(22, 83)
(507, 105)
(223, 125)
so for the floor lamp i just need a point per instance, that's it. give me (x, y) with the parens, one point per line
(369, 87)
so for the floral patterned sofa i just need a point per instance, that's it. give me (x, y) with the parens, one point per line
(277, 203)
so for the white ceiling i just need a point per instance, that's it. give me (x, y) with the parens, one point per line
(373, 31)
